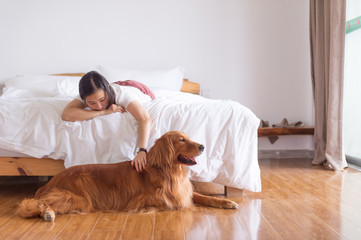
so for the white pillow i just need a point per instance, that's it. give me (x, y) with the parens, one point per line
(45, 85)
(15, 93)
(68, 86)
(169, 79)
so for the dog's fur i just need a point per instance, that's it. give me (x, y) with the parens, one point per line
(163, 184)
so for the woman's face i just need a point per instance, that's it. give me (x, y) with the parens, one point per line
(97, 101)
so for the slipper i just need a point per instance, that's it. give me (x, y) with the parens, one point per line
(264, 124)
(297, 124)
(283, 124)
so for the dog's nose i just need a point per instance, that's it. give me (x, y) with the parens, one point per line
(201, 148)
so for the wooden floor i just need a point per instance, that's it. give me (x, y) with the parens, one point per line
(298, 201)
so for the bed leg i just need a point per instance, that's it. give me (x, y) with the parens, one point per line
(233, 192)
(43, 179)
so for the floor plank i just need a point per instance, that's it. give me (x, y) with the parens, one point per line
(226, 224)
(281, 222)
(45, 230)
(109, 226)
(79, 226)
(139, 226)
(256, 224)
(197, 224)
(168, 225)
(308, 221)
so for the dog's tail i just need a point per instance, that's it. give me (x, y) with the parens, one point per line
(30, 208)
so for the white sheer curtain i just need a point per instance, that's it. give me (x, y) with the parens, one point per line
(352, 87)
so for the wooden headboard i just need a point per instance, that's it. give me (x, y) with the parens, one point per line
(188, 86)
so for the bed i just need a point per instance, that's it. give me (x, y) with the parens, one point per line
(34, 141)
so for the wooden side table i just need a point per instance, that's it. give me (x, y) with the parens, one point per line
(273, 131)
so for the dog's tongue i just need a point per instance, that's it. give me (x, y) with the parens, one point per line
(187, 160)
(192, 159)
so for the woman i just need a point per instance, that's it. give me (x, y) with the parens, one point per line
(103, 98)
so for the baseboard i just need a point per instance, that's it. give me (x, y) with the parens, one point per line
(353, 160)
(263, 154)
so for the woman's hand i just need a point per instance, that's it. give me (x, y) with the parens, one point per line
(140, 161)
(115, 108)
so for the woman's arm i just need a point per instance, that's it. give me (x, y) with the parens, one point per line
(74, 111)
(144, 123)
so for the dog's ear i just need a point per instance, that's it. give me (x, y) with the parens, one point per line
(162, 153)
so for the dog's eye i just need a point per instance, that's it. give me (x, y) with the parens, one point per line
(182, 140)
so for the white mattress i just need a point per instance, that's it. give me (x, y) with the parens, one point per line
(32, 125)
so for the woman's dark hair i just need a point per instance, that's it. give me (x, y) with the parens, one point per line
(91, 82)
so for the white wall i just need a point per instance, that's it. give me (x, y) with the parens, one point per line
(255, 52)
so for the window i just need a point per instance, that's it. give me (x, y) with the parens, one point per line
(352, 84)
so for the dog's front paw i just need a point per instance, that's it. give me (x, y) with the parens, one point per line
(229, 204)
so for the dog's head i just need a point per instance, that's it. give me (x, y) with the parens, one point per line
(174, 148)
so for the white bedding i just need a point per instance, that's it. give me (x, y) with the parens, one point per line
(32, 125)
(7, 153)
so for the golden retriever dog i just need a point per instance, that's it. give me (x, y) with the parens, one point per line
(162, 185)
